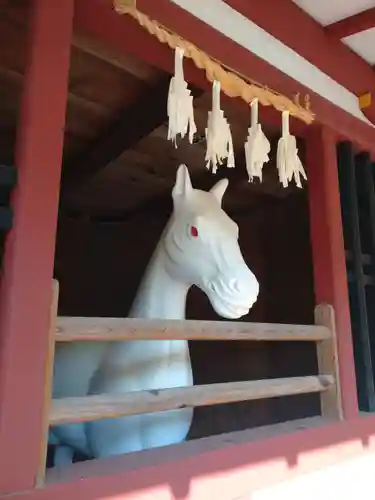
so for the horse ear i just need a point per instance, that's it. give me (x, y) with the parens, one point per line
(182, 187)
(219, 189)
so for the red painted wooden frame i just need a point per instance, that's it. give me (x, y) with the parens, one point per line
(123, 34)
(328, 251)
(234, 469)
(362, 21)
(309, 39)
(28, 260)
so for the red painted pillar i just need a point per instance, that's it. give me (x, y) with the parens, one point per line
(328, 250)
(25, 294)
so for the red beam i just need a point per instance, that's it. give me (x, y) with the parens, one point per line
(330, 280)
(231, 469)
(351, 25)
(28, 262)
(296, 29)
(122, 34)
(246, 63)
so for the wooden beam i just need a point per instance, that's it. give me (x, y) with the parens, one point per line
(72, 329)
(203, 180)
(48, 378)
(351, 25)
(220, 465)
(160, 204)
(85, 104)
(328, 251)
(163, 203)
(97, 407)
(28, 259)
(122, 34)
(326, 53)
(133, 124)
(121, 60)
(328, 362)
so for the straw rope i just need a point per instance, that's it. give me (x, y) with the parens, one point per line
(232, 83)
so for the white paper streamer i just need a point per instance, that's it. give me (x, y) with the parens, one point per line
(289, 165)
(218, 134)
(257, 146)
(180, 103)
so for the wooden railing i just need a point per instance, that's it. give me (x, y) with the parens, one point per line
(96, 407)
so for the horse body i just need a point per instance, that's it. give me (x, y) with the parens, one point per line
(198, 247)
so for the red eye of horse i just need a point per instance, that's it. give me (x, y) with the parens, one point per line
(194, 231)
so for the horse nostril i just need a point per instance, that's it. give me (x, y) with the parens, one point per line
(212, 287)
(234, 285)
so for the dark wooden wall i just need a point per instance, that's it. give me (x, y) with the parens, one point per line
(290, 299)
(99, 267)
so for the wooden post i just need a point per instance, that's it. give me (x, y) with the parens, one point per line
(48, 384)
(25, 299)
(328, 250)
(331, 403)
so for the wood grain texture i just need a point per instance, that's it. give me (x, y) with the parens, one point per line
(73, 329)
(89, 408)
(48, 385)
(331, 403)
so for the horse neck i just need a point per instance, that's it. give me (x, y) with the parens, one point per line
(159, 296)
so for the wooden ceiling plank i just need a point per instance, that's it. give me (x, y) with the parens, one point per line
(122, 61)
(90, 106)
(133, 124)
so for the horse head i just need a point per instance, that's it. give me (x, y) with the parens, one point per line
(201, 248)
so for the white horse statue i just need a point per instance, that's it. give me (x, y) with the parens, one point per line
(199, 246)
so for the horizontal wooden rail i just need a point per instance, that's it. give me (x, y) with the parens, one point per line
(97, 407)
(102, 406)
(74, 329)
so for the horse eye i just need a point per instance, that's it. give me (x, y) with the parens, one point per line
(194, 231)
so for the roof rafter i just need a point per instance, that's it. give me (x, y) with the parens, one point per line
(134, 123)
(352, 25)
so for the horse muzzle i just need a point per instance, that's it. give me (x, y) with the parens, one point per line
(235, 297)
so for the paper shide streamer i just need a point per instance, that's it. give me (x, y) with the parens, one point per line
(180, 103)
(288, 163)
(257, 146)
(232, 83)
(218, 135)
